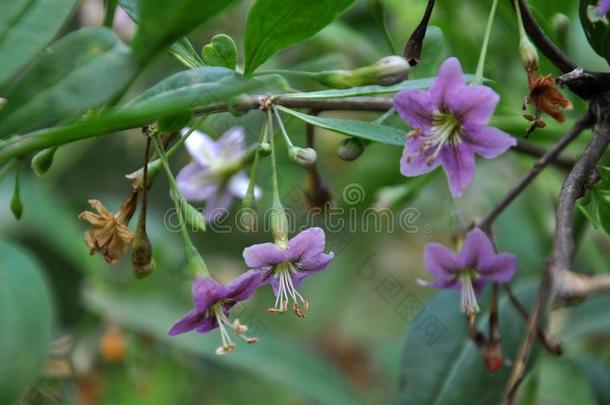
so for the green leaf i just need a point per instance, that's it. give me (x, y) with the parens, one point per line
(359, 129)
(82, 70)
(184, 52)
(26, 26)
(193, 81)
(220, 52)
(190, 99)
(274, 25)
(588, 318)
(597, 373)
(595, 204)
(274, 358)
(26, 319)
(371, 90)
(596, 27)
(445, 367)
(182, 49)
(163, 22)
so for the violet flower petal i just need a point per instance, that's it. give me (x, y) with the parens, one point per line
(194, 183)
(441, 261)
(201, 147)
(489, 142)
(193, 319)
(230, 145)
(473, 105)
(476, 249)
(263, 256)
(412, 162)
(209, 323)
(218, 204)
(305, 247)
(206, 292)
(459, 165)
(238, 186)
(604, 7)
(449, 76)
(241, 288)
(500, 269)
(416, 108)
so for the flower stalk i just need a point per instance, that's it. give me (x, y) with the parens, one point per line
(279, 220)
(478, 76)
(195, 263)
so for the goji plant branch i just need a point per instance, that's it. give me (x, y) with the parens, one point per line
(550, 155)
(559, 281)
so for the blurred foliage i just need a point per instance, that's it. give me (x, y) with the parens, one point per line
(349, 348)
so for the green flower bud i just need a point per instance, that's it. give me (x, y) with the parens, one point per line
(16, 204)
(529, 54)
(561, 25)
(42, 161)
(264, 148)
(195, 266)
(193, 216)
(305, 157)
(279, 224)
(351, 149)
(248, 219)
(391, 70)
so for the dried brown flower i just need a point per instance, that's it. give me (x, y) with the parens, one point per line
(546, 98)
(109, 233)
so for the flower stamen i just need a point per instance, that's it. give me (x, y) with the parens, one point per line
(238, 328)
(469, 304)
(287, 290)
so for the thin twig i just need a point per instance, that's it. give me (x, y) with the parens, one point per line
(549, 342)
(527, 148)
(558, 268)
(550, 155)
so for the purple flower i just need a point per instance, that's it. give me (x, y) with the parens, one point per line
(469, 270)
(215, 174)
(604, 7)
(213, 301)
(285, 265)
(450, 126)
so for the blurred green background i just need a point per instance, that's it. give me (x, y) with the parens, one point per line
(110, 329)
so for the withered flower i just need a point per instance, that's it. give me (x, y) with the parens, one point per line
(109, 233)
(546, 98)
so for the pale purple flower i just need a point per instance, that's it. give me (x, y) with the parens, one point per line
(450, 125)
(471, 269)
(91, 12)
(215, 174)
(213, 301)
(604, 7)
(286, 264)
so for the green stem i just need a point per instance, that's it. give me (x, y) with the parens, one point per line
(189, 248)
(111, 6)
(249, 198)
(478, 76)
(278, 118)
(522, 33)
(7, 168)
(383, 117)
(388, 38)
(276, 189)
